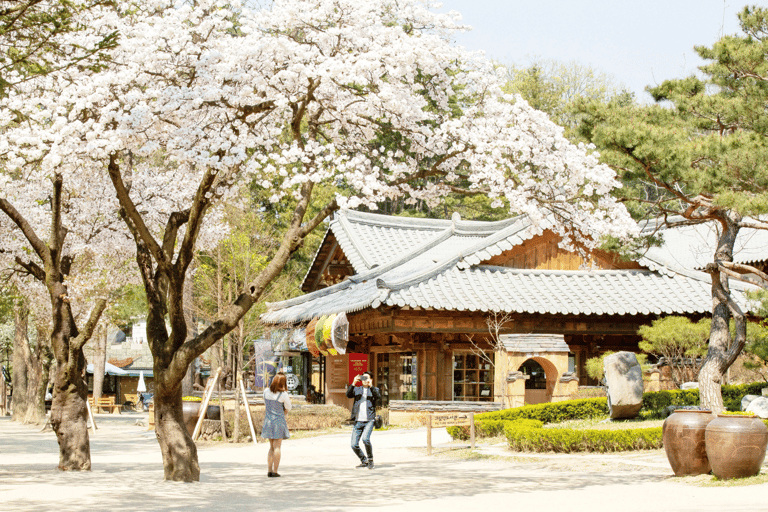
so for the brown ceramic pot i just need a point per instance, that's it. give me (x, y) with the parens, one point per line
(191, 412)
(683, 436)
(736, 445)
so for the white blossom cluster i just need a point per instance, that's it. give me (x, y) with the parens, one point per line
(368, 96)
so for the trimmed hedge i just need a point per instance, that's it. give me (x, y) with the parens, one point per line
(495, 423)
(489, 424)
(657, 401)
(553, 412)
(565, 440)
(491, 427)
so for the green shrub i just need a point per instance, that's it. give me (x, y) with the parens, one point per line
(564, 440)
(657, 401)
(490, 428)
(554, 412)
(489, 424)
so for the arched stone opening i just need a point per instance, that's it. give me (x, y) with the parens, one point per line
(541, 379)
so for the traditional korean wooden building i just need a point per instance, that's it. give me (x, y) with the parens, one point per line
(419, 293)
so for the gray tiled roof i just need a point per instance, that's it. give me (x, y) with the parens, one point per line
(369, 240)
(694, 246)
(445, 272)
(532, 343)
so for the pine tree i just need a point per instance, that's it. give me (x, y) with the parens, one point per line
(700, 153)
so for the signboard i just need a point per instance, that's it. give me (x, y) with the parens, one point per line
(451, 419)
(358, 363)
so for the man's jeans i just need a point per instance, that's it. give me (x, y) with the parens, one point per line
(364, 429)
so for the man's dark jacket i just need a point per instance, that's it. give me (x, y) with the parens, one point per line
(356, 392)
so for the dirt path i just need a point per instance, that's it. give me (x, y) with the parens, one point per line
(318, 475)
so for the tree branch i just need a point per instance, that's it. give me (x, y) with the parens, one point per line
(87, 332)
(130, 212)
(32, 268)
(729, 268)
(40, 248)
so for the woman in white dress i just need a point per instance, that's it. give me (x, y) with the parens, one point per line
(277, 404)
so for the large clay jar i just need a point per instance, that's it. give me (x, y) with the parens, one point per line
(683, 436)
(191, 412)
(736, 445)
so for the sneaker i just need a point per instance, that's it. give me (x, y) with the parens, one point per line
(272, 474)
(363, 464)
(370, 464)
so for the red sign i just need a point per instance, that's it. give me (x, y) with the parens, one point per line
(358, 363)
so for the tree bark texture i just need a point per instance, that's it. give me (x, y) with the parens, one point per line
(29, 375)
(176, 445)
(19, 379)
(69, 418)
(99, 363)
(723, 349)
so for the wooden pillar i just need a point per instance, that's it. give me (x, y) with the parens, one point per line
(430, 374)
(447, 386)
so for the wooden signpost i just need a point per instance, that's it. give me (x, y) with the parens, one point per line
(450, 419)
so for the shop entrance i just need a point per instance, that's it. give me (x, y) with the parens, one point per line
(536, 383)
(396, 376)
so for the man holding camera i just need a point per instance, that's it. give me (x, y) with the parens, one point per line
(364, 414)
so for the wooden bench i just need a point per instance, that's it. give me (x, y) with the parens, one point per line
(105, 402)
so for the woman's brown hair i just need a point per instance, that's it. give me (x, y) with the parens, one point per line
(278, 383)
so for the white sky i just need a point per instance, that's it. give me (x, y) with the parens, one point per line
(638, 42)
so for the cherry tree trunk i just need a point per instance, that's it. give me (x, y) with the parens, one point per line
(28, 382)
(176, 445)
(69, 413)
(69, 418)
(99, 363)
(20, 378)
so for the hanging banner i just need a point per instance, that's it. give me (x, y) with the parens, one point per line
(358, 363)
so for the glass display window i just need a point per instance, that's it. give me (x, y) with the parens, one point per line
(472, 377)
(397, 376)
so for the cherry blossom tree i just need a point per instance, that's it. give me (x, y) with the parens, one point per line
(63, 237)
(31, 42)
(370, 97)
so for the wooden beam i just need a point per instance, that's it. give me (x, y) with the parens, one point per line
(325, 262)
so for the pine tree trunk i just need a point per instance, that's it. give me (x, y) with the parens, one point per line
(723, 350)
(176, 445)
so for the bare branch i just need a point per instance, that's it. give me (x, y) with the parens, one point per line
(729, 267)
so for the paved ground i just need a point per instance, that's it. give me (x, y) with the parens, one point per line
(318, 475)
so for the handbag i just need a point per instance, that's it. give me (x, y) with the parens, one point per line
(378, 421)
